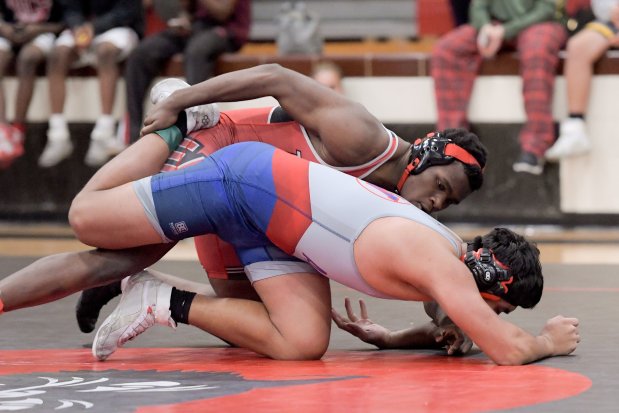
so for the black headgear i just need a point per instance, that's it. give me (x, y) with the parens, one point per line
(491, 276)
(434, 149)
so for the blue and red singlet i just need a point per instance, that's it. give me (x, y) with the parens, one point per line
(270, 125)
(272, 207)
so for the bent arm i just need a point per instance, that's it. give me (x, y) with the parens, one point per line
(452, 286)
(427, 336)
(348, 131)
(504, 342)
(436, 272)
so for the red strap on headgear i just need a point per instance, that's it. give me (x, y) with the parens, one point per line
(453, 150)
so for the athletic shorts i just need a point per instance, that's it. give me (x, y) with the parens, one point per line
(220, 196)
(123, 38)
(43, 42)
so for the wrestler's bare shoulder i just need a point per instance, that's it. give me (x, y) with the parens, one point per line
(394, 255)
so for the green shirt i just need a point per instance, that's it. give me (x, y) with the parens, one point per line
(515, 15)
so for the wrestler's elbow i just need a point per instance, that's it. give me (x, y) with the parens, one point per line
(275, 78)
(508, 360)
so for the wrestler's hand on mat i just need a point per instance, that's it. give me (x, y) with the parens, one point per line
(363, 328)
(445, 332)
(160, 116)
(452, 339)
(562, 332)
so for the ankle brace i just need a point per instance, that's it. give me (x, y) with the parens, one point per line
(180, 303)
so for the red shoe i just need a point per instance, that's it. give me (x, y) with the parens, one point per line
(11, 145)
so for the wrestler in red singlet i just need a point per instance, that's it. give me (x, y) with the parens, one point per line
(270, 125)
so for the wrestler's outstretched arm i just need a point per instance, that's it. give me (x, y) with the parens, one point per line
(434, 272)
(504, 342)
(345, 127)
(57, 276)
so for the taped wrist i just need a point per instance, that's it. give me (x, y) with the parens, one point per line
(172, 136)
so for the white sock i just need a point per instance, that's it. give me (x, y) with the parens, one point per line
(106, 123)
(57, 121)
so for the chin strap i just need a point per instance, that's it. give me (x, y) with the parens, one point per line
(432, 150)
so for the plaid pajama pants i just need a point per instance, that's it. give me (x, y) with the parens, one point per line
(456, 62)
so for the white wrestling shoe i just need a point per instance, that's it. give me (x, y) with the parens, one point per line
(145, 302)
(198, 117)
(573, 141)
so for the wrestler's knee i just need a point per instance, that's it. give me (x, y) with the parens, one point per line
(81, 219)
(306, 351)
(311, 345)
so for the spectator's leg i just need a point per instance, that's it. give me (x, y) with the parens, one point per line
(6, 146)
(59, 145)
(102, 136)
(107, 72)
(143, 64)
(28, 60)
(60, 61)
(201, 54)
(583, 50)
(5, 58)
(538, 49)
(454, 66)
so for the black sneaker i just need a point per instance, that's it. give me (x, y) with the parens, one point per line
(529, 163)
(90, 303)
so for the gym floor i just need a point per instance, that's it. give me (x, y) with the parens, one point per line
(46, 364)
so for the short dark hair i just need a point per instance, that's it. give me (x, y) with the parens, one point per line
(470, 142)
(522, 259)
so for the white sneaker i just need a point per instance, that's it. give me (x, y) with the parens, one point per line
(198, 117)
(58, 148)
(99, 148)
(164, 88)
(145, 302)
(572, 141)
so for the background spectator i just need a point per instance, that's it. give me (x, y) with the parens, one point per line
(202, 31)
(460, 11)
(583, 50)
(528, 25)
(28, 28)
(328, 74)
(100, 33)
(298, 30)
